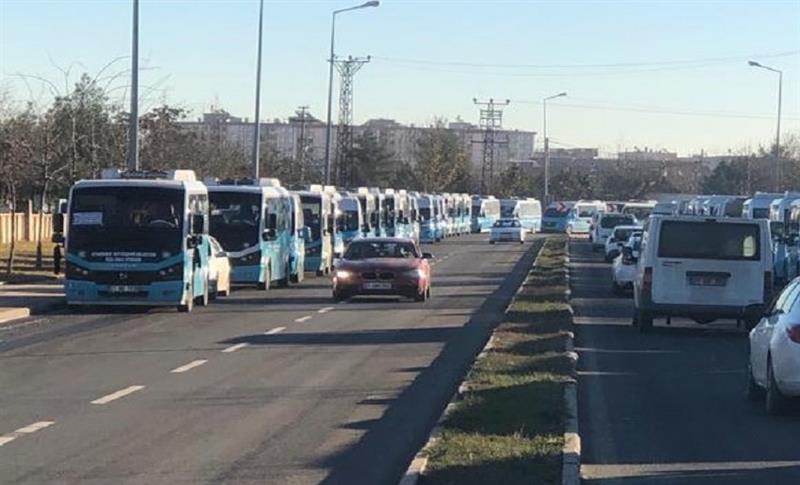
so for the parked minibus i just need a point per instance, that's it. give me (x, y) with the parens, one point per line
(299, 234)
(529, 213)
(368, 211)
(319, 220)
(782, 243)
(757, 207)
(429, 232)
(485, 212)
(350, 223)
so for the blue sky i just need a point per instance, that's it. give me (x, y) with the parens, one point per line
(431, 58)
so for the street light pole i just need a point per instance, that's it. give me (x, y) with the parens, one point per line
(778, 129)
(331, 60)
(257, 128)
(547, 147)
(133, 128)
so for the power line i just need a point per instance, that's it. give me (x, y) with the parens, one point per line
(591, 65)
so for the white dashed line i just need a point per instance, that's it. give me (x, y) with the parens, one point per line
(275, 330)
(325, 310)
(234, 348)
(31, 428)
(189, 366)
(116, 395)
(303, 319)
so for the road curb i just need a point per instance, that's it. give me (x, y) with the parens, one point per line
(571, 452)
(417, 466)
(10, 315)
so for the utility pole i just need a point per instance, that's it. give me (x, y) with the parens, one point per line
(491, 120)
(342, 173)
(301, 147)
(547, 146)
(257, 128)
(133, 128)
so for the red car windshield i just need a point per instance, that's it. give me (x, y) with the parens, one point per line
(380, 249)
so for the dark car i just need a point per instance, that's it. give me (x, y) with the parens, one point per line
(383, 266)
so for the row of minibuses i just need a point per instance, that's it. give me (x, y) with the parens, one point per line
(143, 238)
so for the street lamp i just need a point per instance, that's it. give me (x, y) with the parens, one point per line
(373, 3)
(780, 94)
(547, 147)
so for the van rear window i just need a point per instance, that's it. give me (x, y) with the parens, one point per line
(610, 221)
(709, 240)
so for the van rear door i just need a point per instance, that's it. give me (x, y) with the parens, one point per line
(709, 262)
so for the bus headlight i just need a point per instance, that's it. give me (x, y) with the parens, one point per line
(174, 272)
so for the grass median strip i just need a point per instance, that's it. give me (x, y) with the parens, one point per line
(508, 428)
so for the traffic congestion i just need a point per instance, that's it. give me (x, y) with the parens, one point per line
(705, 259)
(149, 238)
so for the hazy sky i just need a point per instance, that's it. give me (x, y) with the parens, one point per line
(659, 74)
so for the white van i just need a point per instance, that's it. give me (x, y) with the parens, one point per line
(703, 268)
(604, 226)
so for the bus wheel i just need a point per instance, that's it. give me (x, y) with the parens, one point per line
(203, 299)
(284, 282)
(189, 301)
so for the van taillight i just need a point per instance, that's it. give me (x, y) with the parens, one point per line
(647, 282)
(768, 286)
(793, 332)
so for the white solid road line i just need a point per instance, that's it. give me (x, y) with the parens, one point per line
(234, 348)
(189, 366)
(303, 319)
(116, 395)
(325, 310)
(275, 330)
(31, 428)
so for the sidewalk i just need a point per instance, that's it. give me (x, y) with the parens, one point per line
(23, 300)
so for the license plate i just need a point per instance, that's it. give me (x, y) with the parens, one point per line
(708, 280)
(377, 285)
(122, 289)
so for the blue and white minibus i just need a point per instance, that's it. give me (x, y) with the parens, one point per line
(379, 216)
(388, 213)
(136, 238)
(252, 220)
(368, 211)
(413, 215)
(440, 216)
(429, 232)
(319, 220)
(757, 207)
(300, 233)
(485, 211)
(350, 222)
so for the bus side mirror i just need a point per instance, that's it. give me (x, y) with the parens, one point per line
(197, 223)
(268, 234)
(305, 233)
(365, 228)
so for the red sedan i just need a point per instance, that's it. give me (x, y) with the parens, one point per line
(383, 266)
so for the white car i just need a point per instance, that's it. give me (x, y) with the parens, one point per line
(219, 269)
(618, 239)
(623, 269)
(703, 268)
(507, 230)
(774, 363)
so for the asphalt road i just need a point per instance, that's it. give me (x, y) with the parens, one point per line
(278, 387)
(668, 407)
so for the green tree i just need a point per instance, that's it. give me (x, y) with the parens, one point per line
(441, 163)
(372, 162)
(515, 181)
(728, 177)
(570, 184)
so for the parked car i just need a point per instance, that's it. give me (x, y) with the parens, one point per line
(383, 266)
(219, 269)
(703, 268)
(507, 230)
(774, 360)
(623, 269)
(618, 239)
(604, 226)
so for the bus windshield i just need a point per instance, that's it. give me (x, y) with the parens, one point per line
(424, 213)
(312, 215)
(349, 221)
(235, 218)
(144, 220)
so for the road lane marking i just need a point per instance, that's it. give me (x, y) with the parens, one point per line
(116, 395)
(191, 365)
(31, 428)
(234, 348)
(303, 319)
(275, 330)
(325, 310)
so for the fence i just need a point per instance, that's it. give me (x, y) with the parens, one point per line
(28, 226)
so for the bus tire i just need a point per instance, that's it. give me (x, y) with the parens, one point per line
(284, 282)
(203, 299)
(187, 307)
